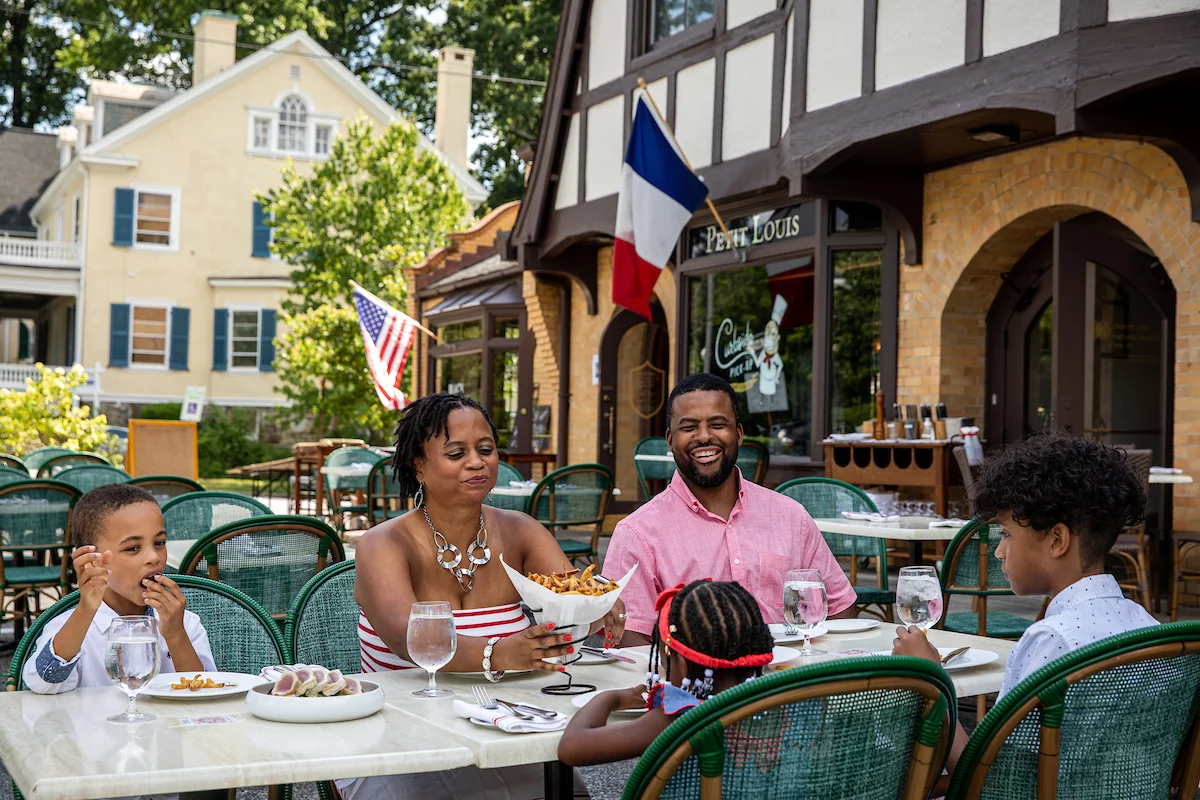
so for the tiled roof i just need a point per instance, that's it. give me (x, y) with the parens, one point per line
(28, 162)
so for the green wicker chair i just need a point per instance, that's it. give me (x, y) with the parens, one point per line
(507, 473)
(322, 625)
(504, 478)
(88, 476)
(12, 462)
(8, 475)
(269, 558)
(826, 498)
(574, 500)
(192, 515)
(970, 568)
(753, 460)
(36, 459)
(340, 486)
(166, 487)
(57, 464)
(1115, 719)
(866, 728)
(34, 519)
(653, 469)
(384, 499)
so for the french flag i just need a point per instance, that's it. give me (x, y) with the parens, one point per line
(659, 194)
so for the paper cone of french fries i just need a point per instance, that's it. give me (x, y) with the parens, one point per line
(565, 610)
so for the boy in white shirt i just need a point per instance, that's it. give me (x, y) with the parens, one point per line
(1061, 503)
(119, 564)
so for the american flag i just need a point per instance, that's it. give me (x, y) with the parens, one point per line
(387, 336)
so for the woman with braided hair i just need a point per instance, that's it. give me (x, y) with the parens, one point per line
(709, 637)
(448, 548)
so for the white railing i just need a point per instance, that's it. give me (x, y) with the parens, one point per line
(12, 376)
(35, 253)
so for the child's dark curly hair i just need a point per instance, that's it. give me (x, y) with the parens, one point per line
(718, 619)
(1049, 478)
(420, 422)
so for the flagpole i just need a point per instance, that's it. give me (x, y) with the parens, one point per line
(418, 325)
(707, 199)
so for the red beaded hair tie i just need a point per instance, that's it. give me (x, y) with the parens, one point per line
(663, 607)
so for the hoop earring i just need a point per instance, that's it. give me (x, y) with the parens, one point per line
(419, 497)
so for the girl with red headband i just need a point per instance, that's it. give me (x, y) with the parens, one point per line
(709, 637)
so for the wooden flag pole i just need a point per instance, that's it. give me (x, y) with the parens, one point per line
(419, 326)
(707, 199)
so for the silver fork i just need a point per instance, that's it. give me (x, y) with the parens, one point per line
(484, 700)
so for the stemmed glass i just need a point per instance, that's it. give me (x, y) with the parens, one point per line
(432, 642)
(919, 597)
(805, 605)
(132, 660)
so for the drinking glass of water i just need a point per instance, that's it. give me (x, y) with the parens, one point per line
(132, 660)
(804, 604)
(431, 642)
(919, 597)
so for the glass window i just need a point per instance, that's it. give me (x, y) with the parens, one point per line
(857, 287)
(506, 328)
(153, 218)
(848, 217)
(753, 326)
(293, 122)
(148, 333)
(117, 114)
(504, 396)
(669, 17)
(460, 375)
(262, 133)
(461, 331)
(243, 339)
(321, 140)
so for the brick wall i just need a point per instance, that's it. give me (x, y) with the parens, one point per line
(542, 314)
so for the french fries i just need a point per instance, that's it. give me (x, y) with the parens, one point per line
(572, 581)
(197, 683)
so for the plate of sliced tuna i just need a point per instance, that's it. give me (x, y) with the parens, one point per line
(309, 693)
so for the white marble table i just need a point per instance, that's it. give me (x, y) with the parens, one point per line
(527, 491)
(1161, 477)
(178, 548)
(908, 529)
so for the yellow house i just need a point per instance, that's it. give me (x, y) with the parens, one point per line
(153, 261)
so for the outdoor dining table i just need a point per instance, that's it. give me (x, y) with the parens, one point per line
(59, 747)
(178, 548)
(516, 498)
(913, 530)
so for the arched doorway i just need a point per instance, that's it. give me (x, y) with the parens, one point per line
(634, 356)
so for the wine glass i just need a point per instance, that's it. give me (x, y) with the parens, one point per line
(132, 660)
(804, 604)
(431, 642)
(919, 597)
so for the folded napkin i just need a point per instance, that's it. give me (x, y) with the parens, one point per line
(1166, 471)
(522, 484)
(948, 523)
(501, 718)
(849, 437)
(869, 517)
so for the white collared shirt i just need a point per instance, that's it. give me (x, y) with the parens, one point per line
(1091, 609)
(46, 673)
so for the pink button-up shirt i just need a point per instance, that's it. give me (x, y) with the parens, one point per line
(674, 539)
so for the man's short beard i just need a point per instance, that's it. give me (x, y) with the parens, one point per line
(728, 463)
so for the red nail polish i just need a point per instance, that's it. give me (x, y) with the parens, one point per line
(570, 649)
(562, 669)
(567, 638)
(549, 626)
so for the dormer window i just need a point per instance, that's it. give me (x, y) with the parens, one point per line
(290, 127)
(293, 125)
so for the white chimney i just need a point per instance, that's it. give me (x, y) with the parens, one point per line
(216, 35)
(82, 117)
(66, 145)
(453, 122)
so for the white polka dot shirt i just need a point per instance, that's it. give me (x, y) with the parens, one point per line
(1085, 612)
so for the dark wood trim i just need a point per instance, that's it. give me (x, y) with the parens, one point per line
(800, 61)
(622, 321)
(1114, 59)
(578, 265)
(889, 309)
(902, 195)
(581, 185)
(718, 134)
(822, 387)
(870, 28)
(778, 61)
(974, 48)
(1069, 336)
(635, 30)
(672, 99)
(523, 426)
(1076, 14)
(686, 39)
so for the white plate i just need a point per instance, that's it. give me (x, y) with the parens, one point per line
(784, 654)
(508, 673)
(160, 687)
(314, 709)
(585, 659)
(778, 628)
(581, 700)
(851, 625)
(975, 657)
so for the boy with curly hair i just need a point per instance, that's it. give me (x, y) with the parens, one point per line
(1061, 503)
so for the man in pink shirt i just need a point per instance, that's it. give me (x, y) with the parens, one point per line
(711, 523)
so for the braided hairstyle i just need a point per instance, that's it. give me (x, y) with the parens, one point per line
(421, 421)
(718, 619)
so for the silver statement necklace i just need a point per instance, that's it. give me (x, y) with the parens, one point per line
(466, 577)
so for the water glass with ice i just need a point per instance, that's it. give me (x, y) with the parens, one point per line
(919, 597)
(432, 642)
(805, 605)
(132, 660)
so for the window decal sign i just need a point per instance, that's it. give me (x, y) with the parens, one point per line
(758, 372)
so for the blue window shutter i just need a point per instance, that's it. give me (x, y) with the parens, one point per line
(220, 340)
(261, 243)
(118, 335)
(266, 341)
(123, 218)
(178, 359)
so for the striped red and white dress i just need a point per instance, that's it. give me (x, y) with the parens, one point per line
(480, 622)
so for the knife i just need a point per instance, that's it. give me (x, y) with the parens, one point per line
(596, 651)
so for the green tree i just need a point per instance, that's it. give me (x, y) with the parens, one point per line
(376, 205)
(47, 414)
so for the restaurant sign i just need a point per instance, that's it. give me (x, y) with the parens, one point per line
(764, 227)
